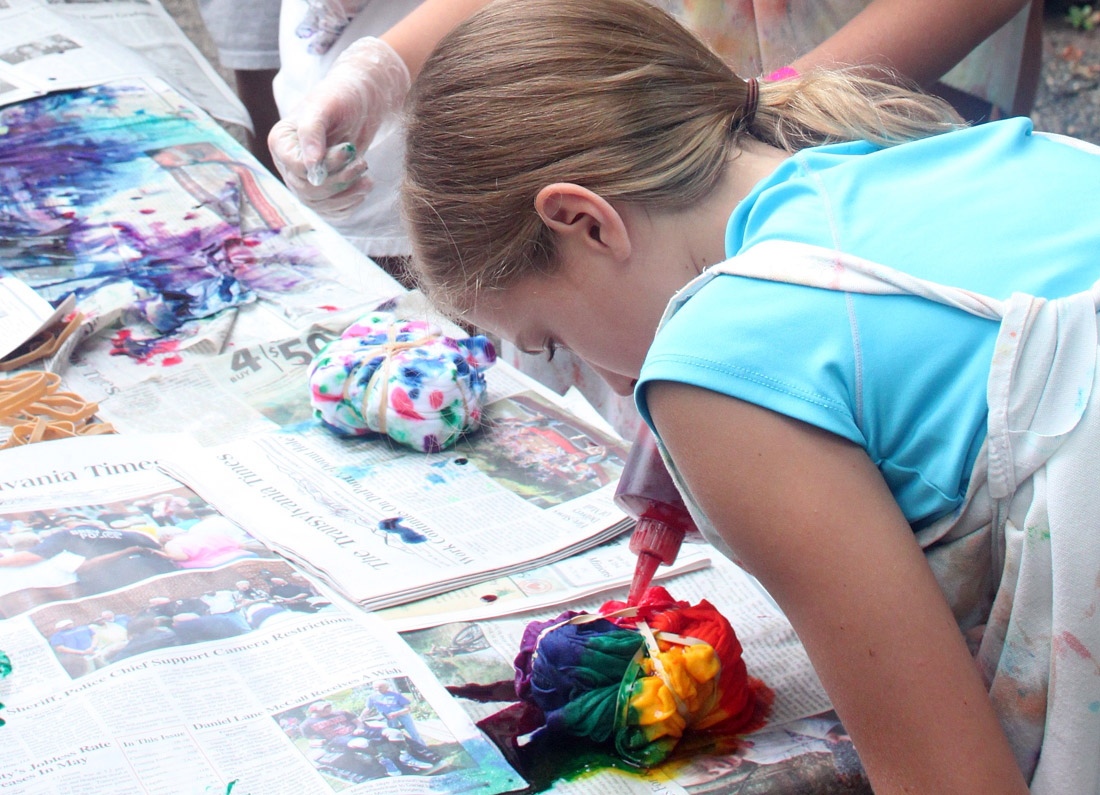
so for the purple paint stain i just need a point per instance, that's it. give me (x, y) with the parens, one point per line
(407, 534)
(67, 154)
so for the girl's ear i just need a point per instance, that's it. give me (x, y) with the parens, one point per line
(584, 218)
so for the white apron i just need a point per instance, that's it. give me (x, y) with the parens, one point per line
(1019, 563)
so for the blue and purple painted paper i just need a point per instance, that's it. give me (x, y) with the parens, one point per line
(130, 198)
(401, 378)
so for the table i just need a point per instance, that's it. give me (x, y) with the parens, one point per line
(179, 247)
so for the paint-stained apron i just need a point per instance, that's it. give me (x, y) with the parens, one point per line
(1019, 563)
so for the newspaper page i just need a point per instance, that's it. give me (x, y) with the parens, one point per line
(386, 524)
(802, 745)
(606, 569)
(158, 648)
(52, 45)
(23, 314)
(382, 523)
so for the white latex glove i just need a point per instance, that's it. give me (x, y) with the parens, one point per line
(325, 21)
(320, 149)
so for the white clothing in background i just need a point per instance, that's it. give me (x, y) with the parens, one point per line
(375, 226)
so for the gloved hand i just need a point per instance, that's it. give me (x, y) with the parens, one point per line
(320, 149)
(325, 21)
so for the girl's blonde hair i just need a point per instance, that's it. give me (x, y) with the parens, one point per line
(613, 95)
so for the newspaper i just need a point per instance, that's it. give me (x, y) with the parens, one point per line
(158, 648)
(382, 523)
(52, 45)
(607, 569)
(481, 651)
(23, 314)
(386, 524)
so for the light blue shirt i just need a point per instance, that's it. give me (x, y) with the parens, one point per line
(993, 209)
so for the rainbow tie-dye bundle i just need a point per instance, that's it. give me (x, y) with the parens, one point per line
(403, 379)
(640, 678)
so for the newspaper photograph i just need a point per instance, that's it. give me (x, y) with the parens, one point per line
(158, 648)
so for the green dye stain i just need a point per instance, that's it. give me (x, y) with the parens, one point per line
(1036, 533)
(5, 669)
(1094, 706)
(567, 761)
(232, 784)
(448, 416)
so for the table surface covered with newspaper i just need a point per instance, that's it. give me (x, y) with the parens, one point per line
(184, 604)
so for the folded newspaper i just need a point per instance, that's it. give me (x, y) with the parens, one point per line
(156, 647)
(387, 525)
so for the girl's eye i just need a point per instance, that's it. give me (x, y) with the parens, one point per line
(551, 348)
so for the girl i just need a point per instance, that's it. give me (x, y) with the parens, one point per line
(819, 292)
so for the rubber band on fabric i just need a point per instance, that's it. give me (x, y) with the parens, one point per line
(45, 343)
(403, 379)
(36, 411)
(639, 678)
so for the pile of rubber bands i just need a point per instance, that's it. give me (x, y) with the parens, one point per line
(640, 678)
(401, 378)
(36, 411)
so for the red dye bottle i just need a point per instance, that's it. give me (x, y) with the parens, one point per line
(647, 493)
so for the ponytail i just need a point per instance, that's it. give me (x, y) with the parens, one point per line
(825, 106)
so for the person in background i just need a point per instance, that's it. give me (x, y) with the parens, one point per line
(293, 597)
(195, 628)
(146, 635)
(864, 335)
(329, 724)
(223, 602)
(246, 33)
(108, 636)
(245, 595)
(348, 98)
(73, 646)
(394, 706)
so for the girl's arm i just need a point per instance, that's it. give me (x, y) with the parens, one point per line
(415, 36)
(917, 39)
(809, 514)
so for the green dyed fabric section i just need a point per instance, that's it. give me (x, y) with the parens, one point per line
(576, 680)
